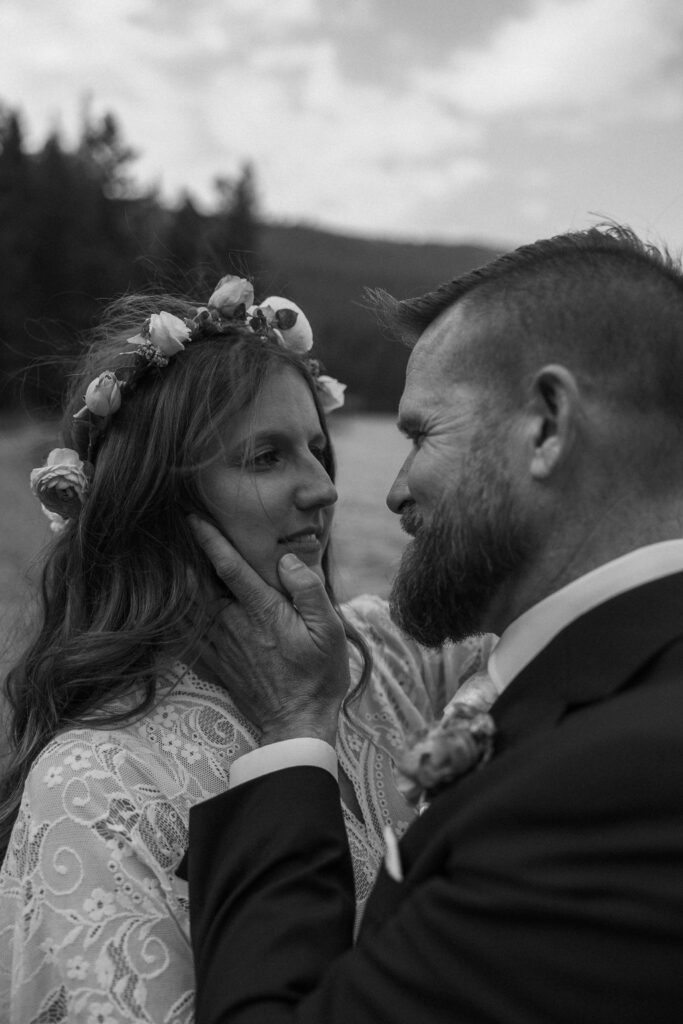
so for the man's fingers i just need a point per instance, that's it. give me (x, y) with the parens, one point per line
(251, 591)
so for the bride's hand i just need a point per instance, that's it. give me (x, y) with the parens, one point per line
(284, 662)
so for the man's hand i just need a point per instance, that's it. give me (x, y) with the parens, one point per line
(284, 662)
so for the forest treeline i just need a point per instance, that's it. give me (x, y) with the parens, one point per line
(77, 231)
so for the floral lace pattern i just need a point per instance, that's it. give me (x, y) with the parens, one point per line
(409, 688)
(94, 923)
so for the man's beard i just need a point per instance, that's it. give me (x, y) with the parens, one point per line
(455, 566)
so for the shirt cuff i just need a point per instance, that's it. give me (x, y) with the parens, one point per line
(305, 750)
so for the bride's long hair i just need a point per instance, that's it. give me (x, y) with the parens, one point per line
(115, 592)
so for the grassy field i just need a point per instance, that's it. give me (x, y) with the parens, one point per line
(367, 542)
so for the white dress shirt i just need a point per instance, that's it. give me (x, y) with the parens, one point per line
(520, 643)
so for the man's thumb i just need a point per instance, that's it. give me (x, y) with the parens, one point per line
(305, 588)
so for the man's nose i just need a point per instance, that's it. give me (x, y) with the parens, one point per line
(399, 492)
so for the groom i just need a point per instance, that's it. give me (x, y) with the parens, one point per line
(544, 491)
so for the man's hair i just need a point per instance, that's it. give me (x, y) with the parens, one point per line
(601, 301)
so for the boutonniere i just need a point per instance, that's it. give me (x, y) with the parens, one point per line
(460, 742)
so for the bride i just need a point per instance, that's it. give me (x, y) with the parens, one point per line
(122, 717)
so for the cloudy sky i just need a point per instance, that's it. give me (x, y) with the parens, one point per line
(498, 120)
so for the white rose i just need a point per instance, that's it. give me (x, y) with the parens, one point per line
(103, 396)
(61, 484)
(299, 337)
(231, 292)
(168, 332)
(330, 392)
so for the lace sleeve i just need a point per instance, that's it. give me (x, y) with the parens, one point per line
(92, 919)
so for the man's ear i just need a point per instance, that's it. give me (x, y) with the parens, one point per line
(553, 408)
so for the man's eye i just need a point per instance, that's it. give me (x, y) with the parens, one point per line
(319, 451)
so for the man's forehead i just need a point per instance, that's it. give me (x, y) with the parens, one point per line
(427, 390)
(436, 350)
(437, 374)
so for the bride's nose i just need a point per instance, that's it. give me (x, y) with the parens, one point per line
(315, 489)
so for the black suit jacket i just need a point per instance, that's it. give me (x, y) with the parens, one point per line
(545, 887)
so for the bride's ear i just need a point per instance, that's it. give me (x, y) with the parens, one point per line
(553, 415)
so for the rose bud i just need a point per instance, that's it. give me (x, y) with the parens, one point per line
(103, 396)
(168, 332)
(231, 292)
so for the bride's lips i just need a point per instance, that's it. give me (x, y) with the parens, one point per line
(307, 541)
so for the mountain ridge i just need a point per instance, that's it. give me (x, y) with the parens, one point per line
(326, 274)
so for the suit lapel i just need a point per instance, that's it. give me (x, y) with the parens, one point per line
(595, 656)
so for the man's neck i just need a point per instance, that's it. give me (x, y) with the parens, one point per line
(565, 559)
(538, 625)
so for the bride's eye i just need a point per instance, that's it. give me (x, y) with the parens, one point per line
(265, 459)
(319, 451)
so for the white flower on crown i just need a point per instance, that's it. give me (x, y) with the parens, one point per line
(330, 392)
(231, 292)
(168, 333)
(60, 485)
(295, 332)
(103, 395)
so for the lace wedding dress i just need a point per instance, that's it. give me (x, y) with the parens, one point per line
(94, 923)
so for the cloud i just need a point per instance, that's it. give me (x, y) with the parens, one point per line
(346, 122)
(201, 88)
(601, 59)
(355, 151)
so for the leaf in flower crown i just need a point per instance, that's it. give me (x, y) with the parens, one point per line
(257, 319)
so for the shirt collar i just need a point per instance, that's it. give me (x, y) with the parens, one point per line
(535, 628)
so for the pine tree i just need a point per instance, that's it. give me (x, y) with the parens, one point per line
(15, 251)
(232, 243)
(183, 249)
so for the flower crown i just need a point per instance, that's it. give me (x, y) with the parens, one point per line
(62, 483)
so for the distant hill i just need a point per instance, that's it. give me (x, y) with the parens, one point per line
(326, 274)
(76, 233)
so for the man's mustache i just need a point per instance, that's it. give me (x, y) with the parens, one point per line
(411, 520)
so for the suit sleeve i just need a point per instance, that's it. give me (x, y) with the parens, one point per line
(272, 895)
